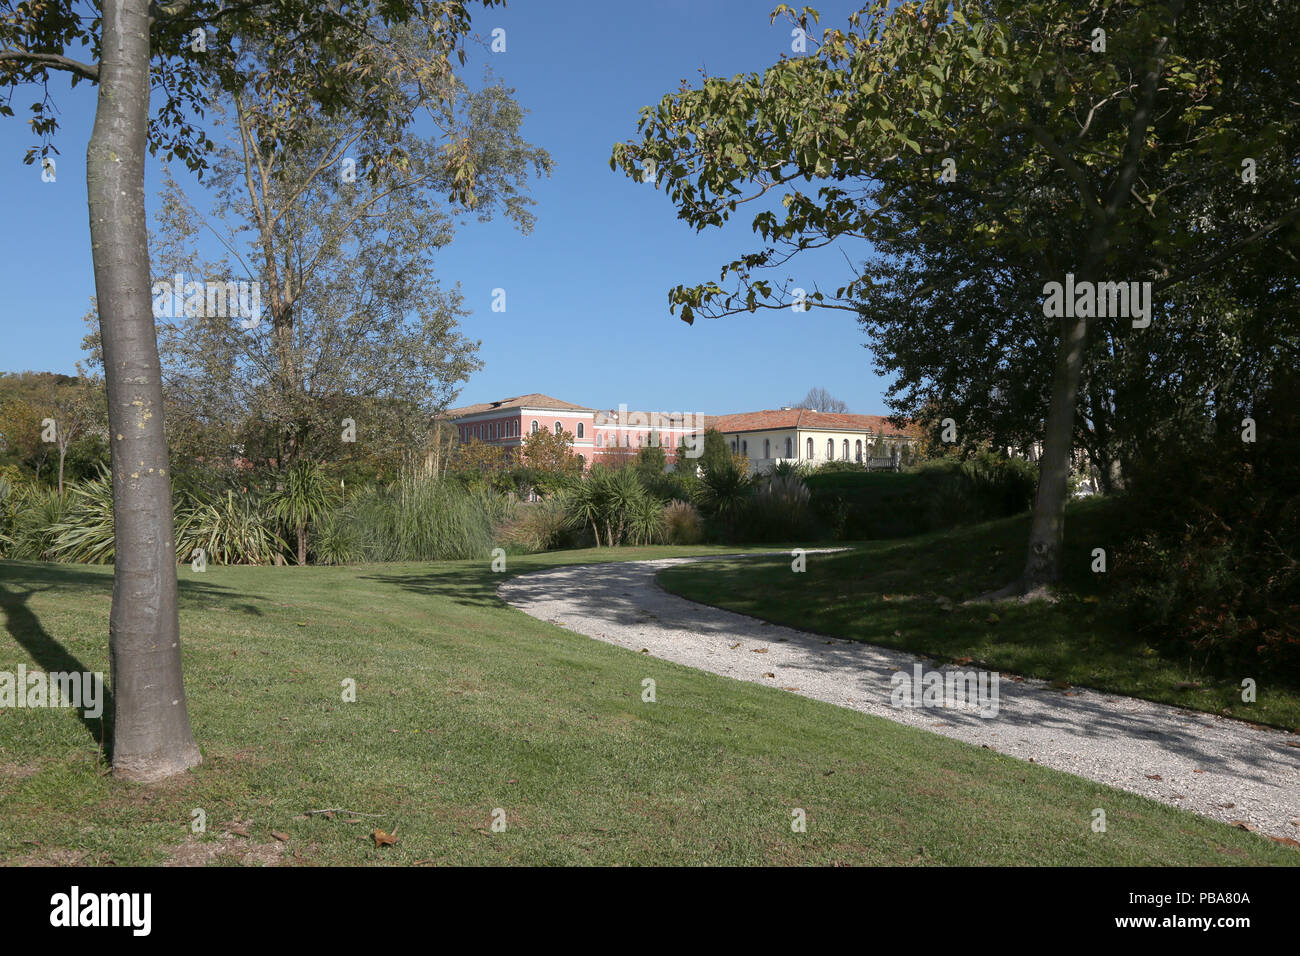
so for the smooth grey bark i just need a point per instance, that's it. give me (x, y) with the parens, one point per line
(1047, 527)
(151, 725)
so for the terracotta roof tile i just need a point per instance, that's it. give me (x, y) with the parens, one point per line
(531, 400)
(807, 418)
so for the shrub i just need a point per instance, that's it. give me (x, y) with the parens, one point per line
(416, 519)
(538, 526)
(35, 513)
(645, 520)
(1213, 560)
(724, 489)
(787, 467)
(336, 541)
(231, 528)
(779, 510)
(682, 523)
(839, 465)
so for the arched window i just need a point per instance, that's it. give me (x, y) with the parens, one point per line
(559, 429)
(810, 449)
(857, 449)
(767, 448)
(845, 450)
(600, 439)
(579, 432)
(534, 428)
(789, 447)
(582, 461)
(830, 449)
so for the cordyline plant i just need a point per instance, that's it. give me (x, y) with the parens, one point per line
(1088, 138)
(310, 58)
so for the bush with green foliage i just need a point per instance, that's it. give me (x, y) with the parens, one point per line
(230, 528)
(413, 519)
(1213, 560)
(537, 526)
(780, 509)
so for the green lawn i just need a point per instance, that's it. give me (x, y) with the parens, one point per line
(465, 705)
(907, 594)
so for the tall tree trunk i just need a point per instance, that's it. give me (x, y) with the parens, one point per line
(151, 724)
(63, 454)
(1047, 530)
(302, 545)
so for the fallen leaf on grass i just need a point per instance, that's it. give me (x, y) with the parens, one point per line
(383, 839)
(282, 837)
(1286, 841)
(1243, 825)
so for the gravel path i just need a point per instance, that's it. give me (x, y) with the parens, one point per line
(1215, 766)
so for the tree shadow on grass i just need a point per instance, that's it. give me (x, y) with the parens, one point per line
(471, 588)
(19, 581)
(51, 656)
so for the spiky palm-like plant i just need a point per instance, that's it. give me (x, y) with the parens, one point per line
(304, 497)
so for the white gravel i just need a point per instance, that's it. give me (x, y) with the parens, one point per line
(1215, 766)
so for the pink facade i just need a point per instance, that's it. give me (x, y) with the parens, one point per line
(597, 435)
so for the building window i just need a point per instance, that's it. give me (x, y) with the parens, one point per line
(733, 445)
(580, 431)
(789, 448)
(857, 449)
(767, 448)
(845, 450)
(559, 429)
(582, 461)
(744, 448)
(810, 449)
(492, 430)
(534, 428)
(830, 449)
(600, 439)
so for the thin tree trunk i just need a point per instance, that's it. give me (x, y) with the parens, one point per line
(63, 454)
(302, 545)
(151, 725)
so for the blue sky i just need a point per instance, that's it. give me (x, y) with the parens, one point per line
(587, 317)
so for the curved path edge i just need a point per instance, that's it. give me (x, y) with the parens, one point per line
(1218, 767)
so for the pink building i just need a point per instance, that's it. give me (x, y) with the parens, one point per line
(507, 421)
(597, 435)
